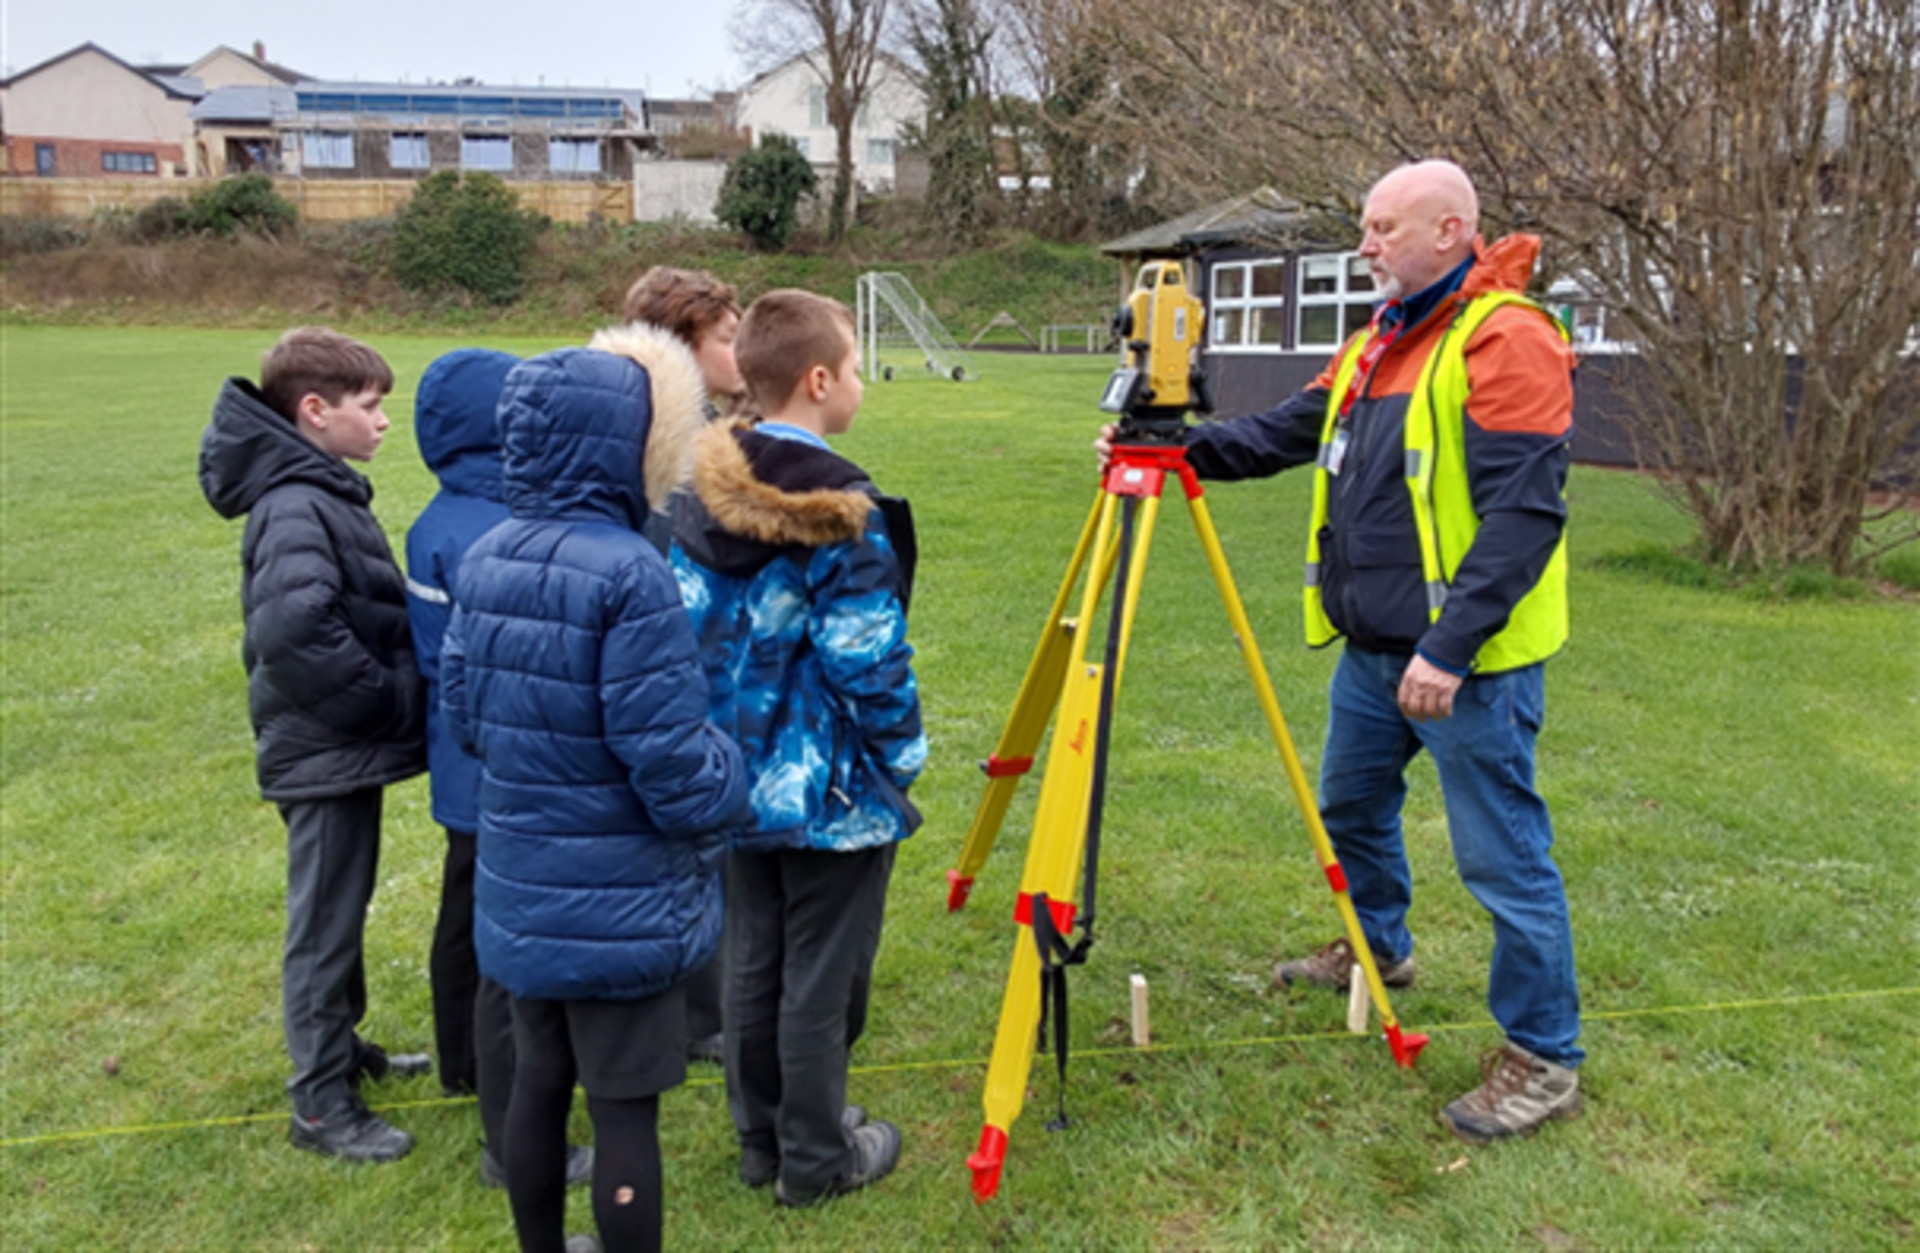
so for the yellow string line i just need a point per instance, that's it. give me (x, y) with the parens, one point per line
(957, 1063)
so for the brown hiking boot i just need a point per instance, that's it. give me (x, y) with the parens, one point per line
(1519, 1093)
(1332, 967)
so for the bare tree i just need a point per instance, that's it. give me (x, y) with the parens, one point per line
(1737, 180)
(1066, 57)
(951, 43)
(841, 40)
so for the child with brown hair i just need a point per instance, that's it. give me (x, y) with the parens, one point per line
(796, 573)
(335, 698)
(702, 312)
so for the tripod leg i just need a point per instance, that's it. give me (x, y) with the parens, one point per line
(1406, 1046)
(1059, 843)
(1053, 868)
(1136, 568)
(1032, 708)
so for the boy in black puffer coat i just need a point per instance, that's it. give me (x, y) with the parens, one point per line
(336, 701)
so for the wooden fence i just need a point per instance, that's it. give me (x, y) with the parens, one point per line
(318, 200)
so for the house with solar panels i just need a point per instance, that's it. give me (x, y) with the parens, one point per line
(322, 130)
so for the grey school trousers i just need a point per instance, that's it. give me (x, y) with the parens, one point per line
(802, 929)
(333, 855)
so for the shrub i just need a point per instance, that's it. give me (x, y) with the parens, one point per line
(166, 218)
(464, 233)
(26, 237)
(110, 221)
(246, 202)
(760, 196)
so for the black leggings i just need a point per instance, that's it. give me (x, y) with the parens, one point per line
(626, 1164)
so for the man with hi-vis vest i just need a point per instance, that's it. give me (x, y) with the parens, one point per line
(1439, 437)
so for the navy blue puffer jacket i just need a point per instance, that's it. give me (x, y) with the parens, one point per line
(570, 669)
(454, 420)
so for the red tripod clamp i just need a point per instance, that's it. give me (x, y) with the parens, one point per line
(1139, 469)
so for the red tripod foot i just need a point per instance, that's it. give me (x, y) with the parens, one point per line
(1406, 1046)
(986, 1162)
(959, 887)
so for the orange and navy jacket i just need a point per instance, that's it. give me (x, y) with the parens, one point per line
(1518, 422)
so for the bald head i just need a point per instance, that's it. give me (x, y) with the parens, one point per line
(1419, 223)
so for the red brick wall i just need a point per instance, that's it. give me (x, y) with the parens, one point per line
(80, 158)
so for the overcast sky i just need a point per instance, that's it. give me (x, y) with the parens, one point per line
(672, 48)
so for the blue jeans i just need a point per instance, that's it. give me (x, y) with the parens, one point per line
(1502, 836)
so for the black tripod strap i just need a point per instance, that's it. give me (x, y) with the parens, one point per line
(1109, 673)
(1056, 954)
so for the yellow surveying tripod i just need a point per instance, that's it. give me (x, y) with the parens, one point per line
(1066, 830)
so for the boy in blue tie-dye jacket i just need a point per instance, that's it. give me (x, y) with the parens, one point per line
(796, 573)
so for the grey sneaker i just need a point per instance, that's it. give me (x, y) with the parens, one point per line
(876, 1151)
(758, 1167)
(1332, 967)
(353, 1133)
(1518, 1094)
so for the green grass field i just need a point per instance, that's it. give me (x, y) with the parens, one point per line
(1735, 782)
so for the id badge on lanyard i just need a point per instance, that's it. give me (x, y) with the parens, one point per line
(1337, 451)
(1382, 333)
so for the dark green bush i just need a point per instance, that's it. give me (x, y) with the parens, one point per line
(760, 196)
(245, 202)
(464, 233)
(165, 218)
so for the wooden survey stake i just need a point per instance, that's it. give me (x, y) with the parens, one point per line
(1358, 1001)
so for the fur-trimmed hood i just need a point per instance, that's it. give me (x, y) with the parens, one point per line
(756, 494)
(599, 432)
(679, 399)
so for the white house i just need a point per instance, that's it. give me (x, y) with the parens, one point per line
(87, 113)
(791, 98)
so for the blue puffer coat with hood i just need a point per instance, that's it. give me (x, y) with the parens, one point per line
(570, 669)
(797, 574)
(454, 420)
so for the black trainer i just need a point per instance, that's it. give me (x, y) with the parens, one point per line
(493, 1173)
(708, 1048)
(353, 1134)
(876, 1151)
(758, 1168)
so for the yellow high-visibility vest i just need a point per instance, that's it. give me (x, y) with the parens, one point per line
(1436, 477)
